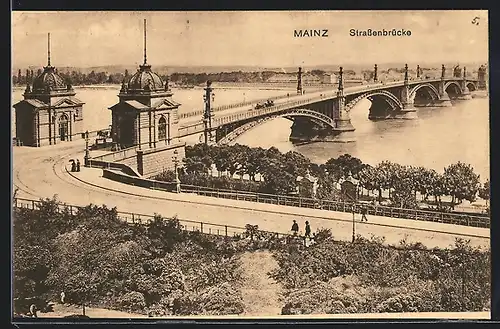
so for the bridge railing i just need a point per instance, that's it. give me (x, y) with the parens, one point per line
(144, 219)
(237, 105)
(343, 206)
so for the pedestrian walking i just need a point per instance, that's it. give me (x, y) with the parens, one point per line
(77, 164)
(73, 165)
(33, 311)
(363, 214)
(308, 230)
(295, 227)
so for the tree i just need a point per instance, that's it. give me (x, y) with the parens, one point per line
(255, 162)
(327, 188)
(278, 181)
(368, 178)
(404, 186)
(82, 266)
(386, 174)
(461, 182)
(484, 191)
(343, 165)
(295, 163)
(437, 186)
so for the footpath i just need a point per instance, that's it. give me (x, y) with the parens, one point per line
(261, 294)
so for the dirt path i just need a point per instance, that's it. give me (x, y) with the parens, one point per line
(260, 292)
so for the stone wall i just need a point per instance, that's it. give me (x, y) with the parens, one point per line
(156, 160)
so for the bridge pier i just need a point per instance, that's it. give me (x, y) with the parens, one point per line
(408, 112)
(465, 95)
(304, 130)
(443, 101)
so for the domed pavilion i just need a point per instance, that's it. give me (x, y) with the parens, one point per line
(50, 112)
(146, 115)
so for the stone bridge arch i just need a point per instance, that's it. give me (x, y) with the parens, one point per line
(455, 89)
(387, 96)
(233, 132)
(471, 86)
(432, 92)
(384, 104)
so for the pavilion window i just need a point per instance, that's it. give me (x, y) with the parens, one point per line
(162, 129)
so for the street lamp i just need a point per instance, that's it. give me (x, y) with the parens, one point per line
(352, 184)
(208, 98)
(86, 158)
(175, 160)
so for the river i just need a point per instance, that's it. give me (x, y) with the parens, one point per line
(439, 137)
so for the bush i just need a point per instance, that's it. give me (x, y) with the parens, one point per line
(132, 301)
(404, 278)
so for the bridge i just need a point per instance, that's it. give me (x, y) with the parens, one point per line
(325, 115)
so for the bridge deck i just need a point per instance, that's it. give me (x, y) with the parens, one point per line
(194, 125)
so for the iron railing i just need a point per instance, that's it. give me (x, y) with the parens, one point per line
(343, 206)
(187, 225)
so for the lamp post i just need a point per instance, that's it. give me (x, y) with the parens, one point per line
(208, 98)
(86, 158)
(353, 183)
(175, 160)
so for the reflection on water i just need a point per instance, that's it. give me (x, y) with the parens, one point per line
(439, 136)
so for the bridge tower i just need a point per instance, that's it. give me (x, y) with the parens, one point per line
(408, 111)
(444, 98)
(465, 95)
(375, 77)
(344, 130)
(481, 77)
(299, 81)
(418, 71)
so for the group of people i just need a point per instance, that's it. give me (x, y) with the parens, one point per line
(295, 228)
(75, 166)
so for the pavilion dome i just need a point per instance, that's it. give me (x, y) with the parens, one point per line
(145, 80)
(49, 80)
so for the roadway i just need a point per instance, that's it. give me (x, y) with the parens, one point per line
(194, 125)
(42, 173)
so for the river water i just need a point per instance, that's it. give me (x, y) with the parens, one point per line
(439, 137)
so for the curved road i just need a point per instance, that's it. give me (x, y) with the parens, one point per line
(42, 173)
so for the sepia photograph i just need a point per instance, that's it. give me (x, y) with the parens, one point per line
(250, 164)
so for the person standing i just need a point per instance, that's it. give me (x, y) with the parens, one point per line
(295, 227)
(308, 230)
(63, 296)
(77, 164)
(73, 165)
(363, 214)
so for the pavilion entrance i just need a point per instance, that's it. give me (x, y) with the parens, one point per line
(64, 128)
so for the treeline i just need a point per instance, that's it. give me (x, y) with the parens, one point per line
(92, 78)
(278, 173)
(73, 77)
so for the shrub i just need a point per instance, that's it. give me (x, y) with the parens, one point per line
(132, 301)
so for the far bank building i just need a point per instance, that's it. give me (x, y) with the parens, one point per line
(49, 113)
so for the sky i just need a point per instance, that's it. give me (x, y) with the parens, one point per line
(266, 39)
